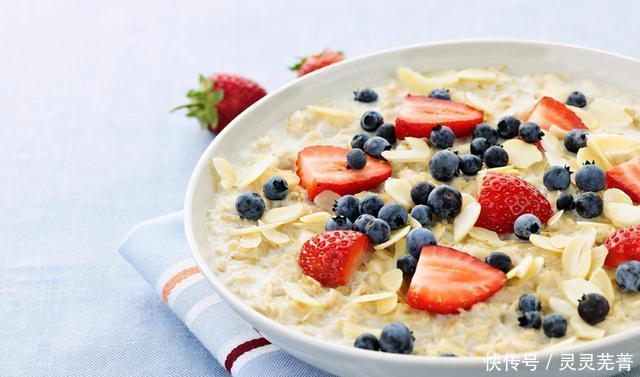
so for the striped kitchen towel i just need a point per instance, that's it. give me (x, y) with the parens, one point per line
(159, 251)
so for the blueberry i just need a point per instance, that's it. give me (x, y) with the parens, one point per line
(530, 320)
(422, 214)
(275, 188)
(367, 341)
(508, 127)
(418, 238)
(530, 132)
(575, 139)
(371, 120)
(557, 178)
(499, 260)
(440, 94)
(407, 264)
(250, 206)
(495, 157)
(478, 146)
(347, 206)
(371, 205)
(362, 221)
(590, 177)
(357, 141)
(393, 214)
(554, 326)
(356, 159)
(577, 99)
(442, 137)
(526, 225)
(338, 223)
(529, 303)
(420, 192)
(365, 95)
(470, 164)
(378, 231)
(589, 205)
(445, 202)
(593, 308)
(396, 338)
(375, 146)
(565, 202)
(486, 131)
(388, 132)
(628, 276)
(444, 165)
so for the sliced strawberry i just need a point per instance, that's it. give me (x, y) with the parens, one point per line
(420, 114)
(505, 197)
(324, 167)
(447, 280)
(623, 245)
(626, 177)
(332, 257)
(547, 112)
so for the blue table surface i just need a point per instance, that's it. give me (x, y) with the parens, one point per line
(88, 148)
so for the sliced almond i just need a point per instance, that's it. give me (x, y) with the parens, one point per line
(416, 82)
(467, 199)
(573, 289)
(275, 237)
(395, 236)
(586, 154)
(463, 223)
(387, 305)
(400, 249)
(316, 217)
(523, 269)
(609, 113)
(413, 222)
(614, 195)
(600, 279)
(353, 330)
(443, 78)
(479, 102)
(392, 280)
(298, 294)
(253, 229)
(373, 297)
(254, 172)
(417, 143)
(285, 214)
(225, 171)
(584, 330)
(576, 258)
(407, 156)
(611, 143)
(250, 241)
(399, 190)
(559, 240)
(623, 214)
(522, 155)
(333, 114)
(481, 75)
(326, 199)
(544, 243)
(561, 306)
(598, 256)
(589, 120)
(438, 230)
(484, 235)
(595, 147)
(554, 221)
(558, 132)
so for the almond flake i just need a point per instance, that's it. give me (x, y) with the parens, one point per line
(481, 75)
(395, 236)
(573, 289)
(333, 114)
(591, 144)
(250, 241)
(586, 154)
(256, 170)
(316, 217)
(438, 230)
(253, 229)
(554, 220)
(522, 155)
(392, 280)
(560, 241)
(558, 132)
(609, 113)
(598, 256)
(611, 143)
(387, 305)
(225, 171)
(407, 156)
(479, 103)
(353, 330)
(467, 199)
(525, 269)
(326, 199)
(373, 297)
(400, 249)
(544, 243)
(600, 279)
(276, 237)
(417, 143)
(623, 214)
(561, 306)
(589, 120)
(467, 218)
(298, 294)
(443, 78)
(614, 195)
(285, 214)
(584, 330)
(484, 235)
(576, 258)
(416, 82)
(415, 224)
(399, 190)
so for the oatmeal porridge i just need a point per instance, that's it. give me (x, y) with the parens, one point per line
(460, 212)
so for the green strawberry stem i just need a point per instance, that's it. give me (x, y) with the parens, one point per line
(203, 103)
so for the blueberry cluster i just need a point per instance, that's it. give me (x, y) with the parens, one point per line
(365, 143)
(395, 338)
(251, 206)
(589, 179)
(553, 325)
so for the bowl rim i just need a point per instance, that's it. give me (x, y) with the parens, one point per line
(262, 321)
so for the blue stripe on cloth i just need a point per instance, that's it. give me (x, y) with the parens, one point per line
(155, 246)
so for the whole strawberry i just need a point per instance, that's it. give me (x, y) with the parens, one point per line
(220, 98)
(315, 62)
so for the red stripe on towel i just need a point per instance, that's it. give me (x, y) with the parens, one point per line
(241, 349)
(176, 279)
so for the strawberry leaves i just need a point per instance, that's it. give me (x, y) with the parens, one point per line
(203, 103)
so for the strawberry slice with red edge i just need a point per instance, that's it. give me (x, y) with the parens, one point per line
(547, 112)
(503, 198)
(420, 114)
(324, 167)
(626, 177)
(332, 257)
(623, 246)
(447, 280)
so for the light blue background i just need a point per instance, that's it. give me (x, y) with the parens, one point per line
(88, 149)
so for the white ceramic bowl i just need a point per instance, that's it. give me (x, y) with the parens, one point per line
(520, 57)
